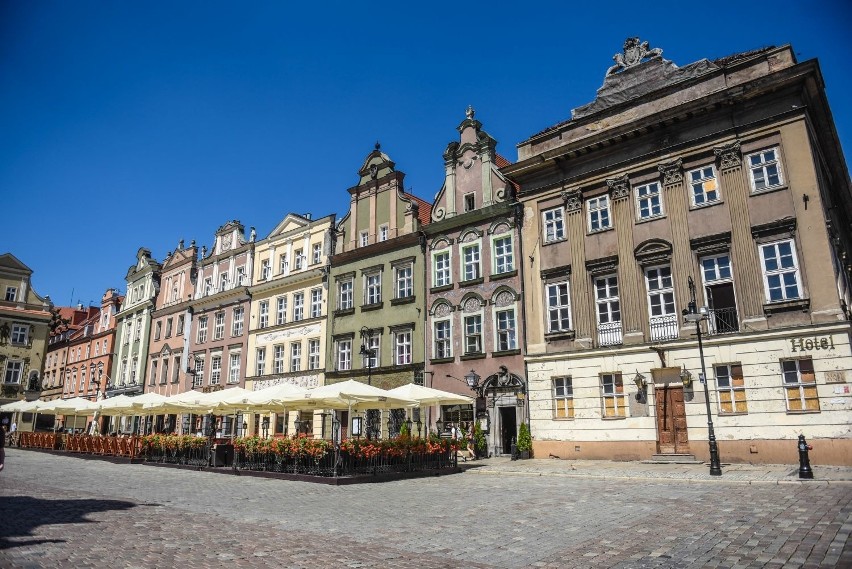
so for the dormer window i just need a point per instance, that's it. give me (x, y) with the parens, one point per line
(317, 254)
(364, 239)
(11, 294)
(223, 282)
(299, 260)
(383, 233)
(282, 263)
(264, 269)
(469, 202)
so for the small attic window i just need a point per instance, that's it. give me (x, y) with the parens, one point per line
(469, 202)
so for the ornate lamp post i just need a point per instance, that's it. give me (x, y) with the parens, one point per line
(367, 352)
(692, 314)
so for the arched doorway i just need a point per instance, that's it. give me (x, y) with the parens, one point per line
(501, 408)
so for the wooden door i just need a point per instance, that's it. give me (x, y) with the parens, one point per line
(671, 421)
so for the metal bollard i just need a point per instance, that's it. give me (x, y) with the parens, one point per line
(804, 462)
(514, 450)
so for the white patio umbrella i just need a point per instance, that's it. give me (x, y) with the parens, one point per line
(426, 396)
(146, 400)
(116, 406)
(270, 399)
(186, 402)
(73, 407)
(350, 394)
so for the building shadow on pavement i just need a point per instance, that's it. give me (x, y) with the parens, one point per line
(21, 516)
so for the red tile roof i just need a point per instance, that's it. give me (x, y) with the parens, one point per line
(424, 208)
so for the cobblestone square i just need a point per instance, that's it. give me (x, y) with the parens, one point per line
(60, 511)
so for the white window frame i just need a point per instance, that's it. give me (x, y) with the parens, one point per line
(558, 298)
(295, 356)
(442, 268)
(372, 288)
(282, 263)
(298, 306)
(609, 390)
(219, 326)
(237, 322)
(553, 224)
(472, 324)
(402, 351)
(298, 259)
(263, 314)
(313, 353)
(659, 286)
(780, 272)
(505, 329)
(152, 380)
(316, 253)
(442, 338)
(372, 359)
(364, 238)
(502, 253)
(597, 210)
(469, 201)
(11, 294)
(20, 334)
(726, 388)
(281, 310)
(164, 372)
(265, 269)
(223, 282)
(260, 361)
(198, 376)
(345, 294)
(241, 276)
(278, 359)
(608, 310)
(234, 367)
(649, 197)
(343, 354)
(201, 336)
(215, 369)
(316, 302)
(792, 382)
(471, 268)
(703, 186)
(768, 163)
(404, 279)
(563, 397)
(14, 372)
(383, 232)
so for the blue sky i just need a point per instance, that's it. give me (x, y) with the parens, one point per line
(129, 124)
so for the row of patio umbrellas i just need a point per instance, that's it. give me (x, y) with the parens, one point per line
(351, 395)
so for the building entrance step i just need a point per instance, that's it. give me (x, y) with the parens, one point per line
(673, 458)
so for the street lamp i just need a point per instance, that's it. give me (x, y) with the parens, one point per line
(367, 351)
(265, 426)
(692, 314)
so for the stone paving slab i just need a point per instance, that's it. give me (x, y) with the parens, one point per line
(59, 511)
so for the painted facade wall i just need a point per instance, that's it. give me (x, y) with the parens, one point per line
(731, 200)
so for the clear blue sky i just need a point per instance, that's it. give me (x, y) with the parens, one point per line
(128, 124)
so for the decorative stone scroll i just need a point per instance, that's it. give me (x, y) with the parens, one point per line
(619, 187)
(632, 53)
(672, 172)
(504, 298)
(729, 155)
(443, 309)
(472, 305)
(573, 200)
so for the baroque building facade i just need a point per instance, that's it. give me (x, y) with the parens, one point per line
(473, 289)
(289, 309)
(721, 179)
(376, 289)
(133, 325)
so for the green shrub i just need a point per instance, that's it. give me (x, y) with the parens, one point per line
(524, 439)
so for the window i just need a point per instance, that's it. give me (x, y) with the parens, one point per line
(280, 310)
(241, 276)
(278, 359)
(661, 304)
(298, 259)
(705, 189)
(97, 350)
(470, 262)
(316, 253)
(731, 386)
(614, 400)
(316, 302)
(473, 334)
(443, 340)
(298, 306)
(719, 291)
(780, 271)
(558, 308)
(73, 387)
(295, 356)
(180, 325)
(151, 380)
(208, 286)
(504, 259)
(219, 326)
(800, 385)
(383, 233)
(138, 334)
(237, 324)
(11, 294)
(554, 226)
(469, 202)
(260, 362)
(14, 369)
(164, 376)
(215, 370)
(234, 368)
(344, 355)
(764, 170)
(364, 239)
(506, 332)
(124, 370)
(223, 282)
(176, 370)
(371, 358)
(198, 378)
(282, 263)
(168, 328)
(264, 269)
(648, 201)
(563, 398)
(441, 263)
(134, 369)
(263, 316)
(609, 311)
(313, 354)
(598, 209)
(20, 333)
(404, 284)
(373, 289)
(202, 329)
(402, 347)
(344, 295)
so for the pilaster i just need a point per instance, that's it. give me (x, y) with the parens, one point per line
(630, 288)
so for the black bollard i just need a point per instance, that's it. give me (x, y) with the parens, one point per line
(804, 462)
(514, 450)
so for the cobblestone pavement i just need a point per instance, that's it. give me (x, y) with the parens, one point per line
(60, 511)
